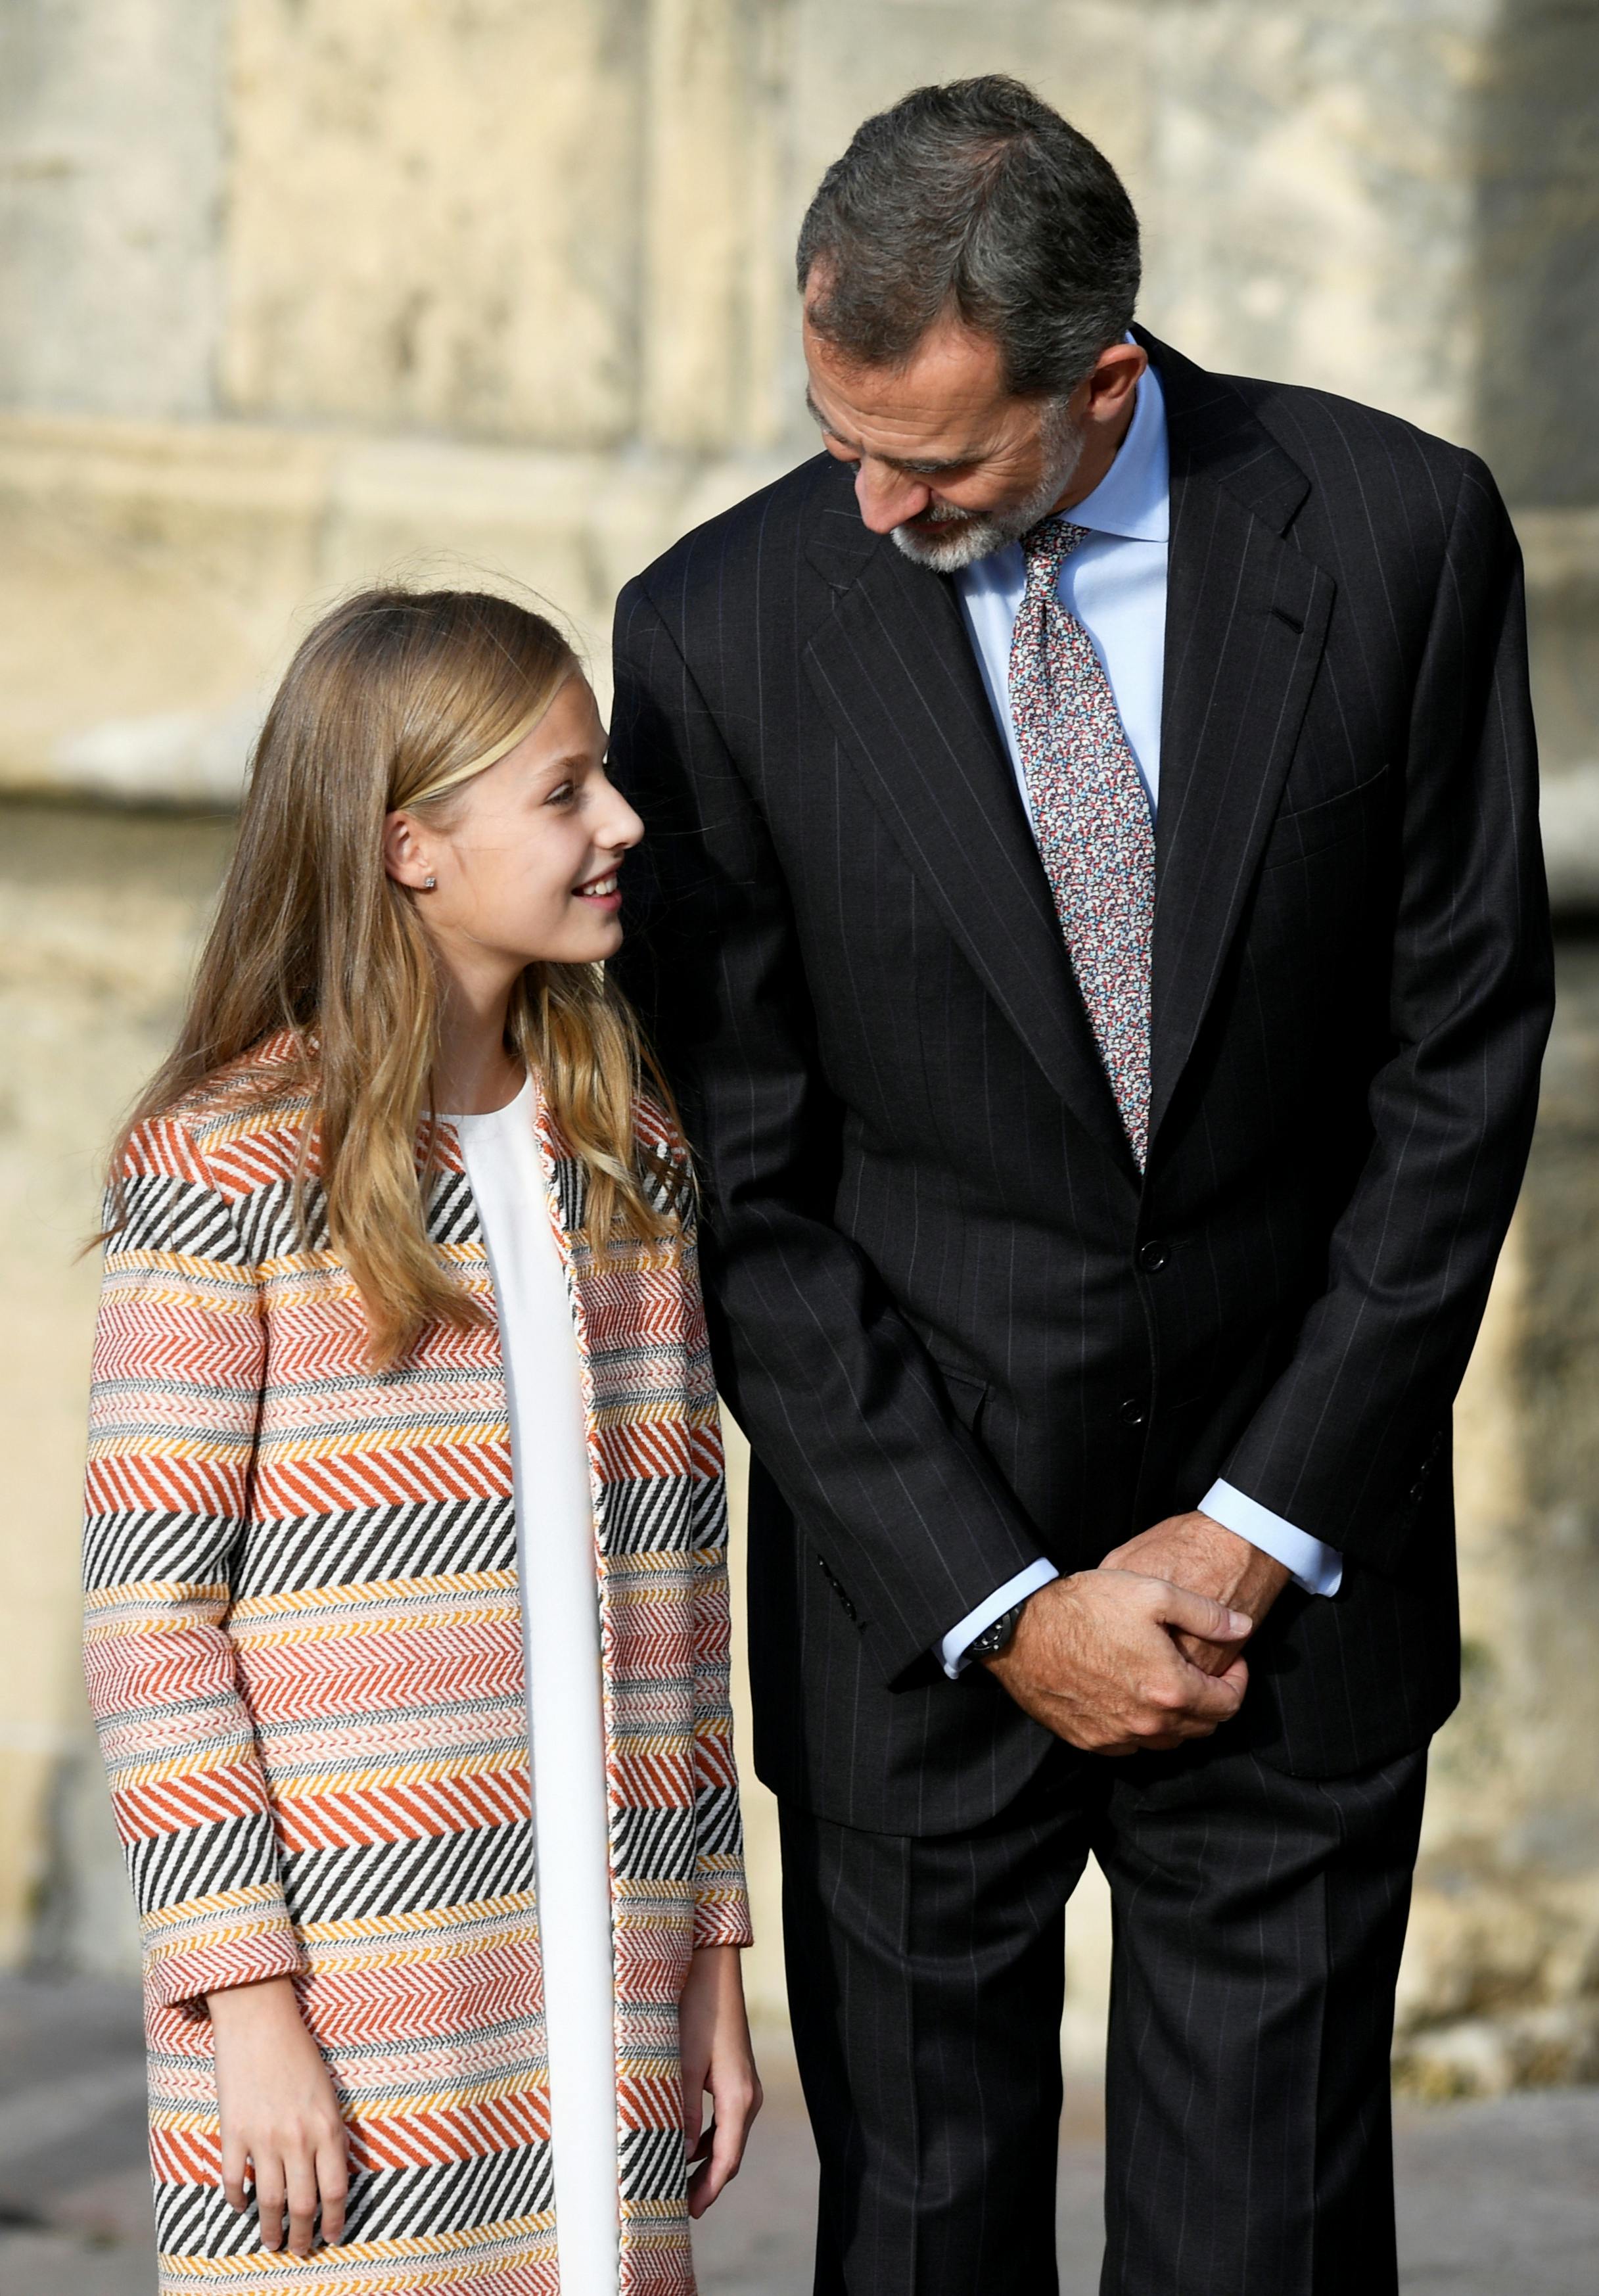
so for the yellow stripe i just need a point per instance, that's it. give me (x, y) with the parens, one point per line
(353, 1629)
(223, 1901)
(536, 2230)
(429, 1917)
(368, 1442)
(374, 1590)
(288, 1787)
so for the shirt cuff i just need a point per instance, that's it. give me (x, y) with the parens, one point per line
(952, 1649)
(1317, 1569)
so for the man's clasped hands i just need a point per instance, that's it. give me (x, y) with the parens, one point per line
(1147, 1650)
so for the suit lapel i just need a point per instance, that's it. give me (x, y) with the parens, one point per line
(893, 667)
(1246, 621)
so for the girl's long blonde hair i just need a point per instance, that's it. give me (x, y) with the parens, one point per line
(396, 700)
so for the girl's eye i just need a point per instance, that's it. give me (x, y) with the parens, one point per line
(564, 795)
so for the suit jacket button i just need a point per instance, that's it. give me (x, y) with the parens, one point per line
(1132, 1412)
(1151, 1258)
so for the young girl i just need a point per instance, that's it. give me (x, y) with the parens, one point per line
(408, 1616)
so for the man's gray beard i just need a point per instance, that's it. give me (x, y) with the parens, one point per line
(974, 533)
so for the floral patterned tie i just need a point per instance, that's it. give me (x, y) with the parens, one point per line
(1092, 818)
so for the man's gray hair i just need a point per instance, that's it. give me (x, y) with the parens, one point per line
(975, 200)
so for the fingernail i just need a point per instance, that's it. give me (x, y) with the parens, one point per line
(1243, 1624)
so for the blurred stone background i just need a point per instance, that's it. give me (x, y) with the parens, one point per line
(297, 292)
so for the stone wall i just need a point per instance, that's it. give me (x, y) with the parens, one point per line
(1501, 1980)
(316, 287)
(98, 913)
(113, 134)
(317, 290)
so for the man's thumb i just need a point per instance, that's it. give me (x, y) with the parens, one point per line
(1212, 1622)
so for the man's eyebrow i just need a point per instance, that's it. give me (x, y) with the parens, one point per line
(917, 470)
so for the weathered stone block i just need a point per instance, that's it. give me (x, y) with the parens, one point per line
(433, 216)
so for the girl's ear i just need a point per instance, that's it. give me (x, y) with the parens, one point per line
(404, 852)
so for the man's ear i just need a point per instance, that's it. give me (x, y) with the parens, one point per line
(1113, 377)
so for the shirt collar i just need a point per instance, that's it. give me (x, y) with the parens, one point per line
(1133, 498)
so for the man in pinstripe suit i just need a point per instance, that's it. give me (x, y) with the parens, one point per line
(1095, 920)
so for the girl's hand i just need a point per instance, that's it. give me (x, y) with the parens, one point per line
(278, 2111)
(717, 2056)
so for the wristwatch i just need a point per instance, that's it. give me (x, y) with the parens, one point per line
(999, 1636)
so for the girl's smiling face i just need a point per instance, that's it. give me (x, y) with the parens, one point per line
(526, 856)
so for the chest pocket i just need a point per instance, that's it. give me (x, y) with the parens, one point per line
(1353, 812)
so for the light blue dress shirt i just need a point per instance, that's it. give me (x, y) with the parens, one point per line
(1115, 583)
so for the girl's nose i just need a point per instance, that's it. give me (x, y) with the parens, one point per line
(623, 829)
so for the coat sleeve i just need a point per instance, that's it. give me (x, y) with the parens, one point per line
(721, 1899)
(836, 1392)
(179, 1361)
(1344, 1442)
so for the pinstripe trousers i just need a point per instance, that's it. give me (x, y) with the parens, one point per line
(1258, 1921)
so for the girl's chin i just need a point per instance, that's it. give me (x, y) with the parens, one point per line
(588, 941)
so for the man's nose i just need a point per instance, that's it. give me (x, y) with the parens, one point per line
(887, 497)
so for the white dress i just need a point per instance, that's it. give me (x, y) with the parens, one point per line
(566, 1726)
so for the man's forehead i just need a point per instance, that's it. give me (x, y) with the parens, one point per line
(952, 360)
(945, 403)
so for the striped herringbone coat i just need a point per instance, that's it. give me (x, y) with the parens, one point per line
(305, 1654)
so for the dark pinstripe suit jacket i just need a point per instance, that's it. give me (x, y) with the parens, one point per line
(956, 1329)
